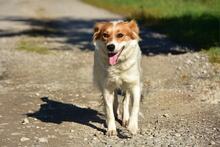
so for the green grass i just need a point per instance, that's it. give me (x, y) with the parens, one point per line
(190, 22)
(159, 8)
(32, 45)
(214, 54)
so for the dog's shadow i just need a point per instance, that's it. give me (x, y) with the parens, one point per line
(57, 112)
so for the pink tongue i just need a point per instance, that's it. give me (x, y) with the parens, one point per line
(112, 59)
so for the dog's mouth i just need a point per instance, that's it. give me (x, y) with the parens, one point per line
(113, 57)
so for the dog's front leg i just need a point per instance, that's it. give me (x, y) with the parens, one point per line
(133, 121)
(109, 99)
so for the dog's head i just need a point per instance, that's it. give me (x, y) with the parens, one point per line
(113, 37)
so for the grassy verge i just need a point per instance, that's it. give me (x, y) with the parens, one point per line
(193, 22)
(35, 45)
(214, 54)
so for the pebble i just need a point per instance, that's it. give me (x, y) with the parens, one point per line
(203, 99)
(189, 62)
(15, 133)
(165, 115)
(24, 139)
(151, 54)
(52, 136)
(72, 131)
(204, 72)
(25, 121)
(212, 143)
(43, 140)
(177, 135)
(179, 68)
(197, 56)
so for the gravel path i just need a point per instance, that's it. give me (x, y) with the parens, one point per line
(49, 100)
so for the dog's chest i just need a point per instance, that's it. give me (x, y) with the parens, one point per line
(117, 78)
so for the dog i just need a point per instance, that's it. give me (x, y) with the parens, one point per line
(117, 65)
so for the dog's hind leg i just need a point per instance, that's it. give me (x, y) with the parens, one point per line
(116, 106)
(109, 99)
(126, 109)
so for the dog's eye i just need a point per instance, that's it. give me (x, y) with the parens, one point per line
(105, 35)
(120, 35)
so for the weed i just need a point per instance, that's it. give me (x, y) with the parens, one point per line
(32, 45)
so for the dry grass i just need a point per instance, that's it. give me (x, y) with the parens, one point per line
(36, 45)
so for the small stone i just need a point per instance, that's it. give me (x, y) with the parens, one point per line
(37, 94)
(189, 62)
(25, 121)
(204, 72)
(151, 54)
(165, 115)
(212, 143)
(179, 68)
(142, 132)
(85, 139)
(15, 133)
(30, 111)
(177, 135)
(197, 56)
(24, 139)
(51, 136)
(203, 99)
(43, 140)
(71, 130)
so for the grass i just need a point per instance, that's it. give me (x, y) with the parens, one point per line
(190, 22)
(35, 45)
(214, 54)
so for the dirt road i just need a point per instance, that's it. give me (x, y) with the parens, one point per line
(47, 99)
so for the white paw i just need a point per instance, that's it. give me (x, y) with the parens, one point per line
(125, 123)
(133, 128)
(111, 133)
(118, 116)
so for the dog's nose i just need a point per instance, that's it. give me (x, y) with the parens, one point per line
(111, 47)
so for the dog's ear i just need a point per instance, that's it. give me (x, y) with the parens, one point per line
(97, 30)
(135, 29)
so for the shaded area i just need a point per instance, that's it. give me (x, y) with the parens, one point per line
(201, 32)
(79, 32)
(52, 111)
(71, 31)
(154, 43)
(57, 112)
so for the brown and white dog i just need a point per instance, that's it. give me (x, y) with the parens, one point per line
(117, 62)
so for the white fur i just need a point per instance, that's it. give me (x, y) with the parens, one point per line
(126, 75)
